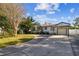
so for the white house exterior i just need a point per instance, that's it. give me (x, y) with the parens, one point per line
(61, 28)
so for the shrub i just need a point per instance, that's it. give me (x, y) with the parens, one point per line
(20, 31)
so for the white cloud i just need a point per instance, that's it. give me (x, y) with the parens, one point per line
(72, 10)
(69, 17)
(62, 18)
(42, 6)
(55, 6)
(34, 13)
(49, 8)
(39, 16)
(51, 12)
(28, 14)
(65, 18)
(76, 16)
(44, 18)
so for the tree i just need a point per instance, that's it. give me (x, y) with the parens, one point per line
(14, 13)
(76, 21)
(5, 25)
(27, 24)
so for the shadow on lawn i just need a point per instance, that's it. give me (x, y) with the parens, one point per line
(25, 39)
(15, 42)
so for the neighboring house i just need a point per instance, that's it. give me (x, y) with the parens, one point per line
(61, 28)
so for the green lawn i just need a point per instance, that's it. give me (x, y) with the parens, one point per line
(15, 40)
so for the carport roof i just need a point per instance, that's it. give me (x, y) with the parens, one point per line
(59, 24)
(63, 24)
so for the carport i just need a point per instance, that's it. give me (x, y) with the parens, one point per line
(63, 28)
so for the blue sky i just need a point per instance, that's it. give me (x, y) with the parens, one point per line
(52, 12)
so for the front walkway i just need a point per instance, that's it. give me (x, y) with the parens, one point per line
(43, 45)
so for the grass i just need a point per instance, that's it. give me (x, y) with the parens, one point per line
(15, 40)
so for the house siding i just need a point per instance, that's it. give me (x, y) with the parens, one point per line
(62, 31)
(61, 28)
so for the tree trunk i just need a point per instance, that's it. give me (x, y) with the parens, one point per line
(15, 31)
(15, 27)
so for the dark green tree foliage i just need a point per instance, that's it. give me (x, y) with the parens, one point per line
(27, 24)
(76, 21)
(5, 25)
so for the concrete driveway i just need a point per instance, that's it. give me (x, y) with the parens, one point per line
(42, 45)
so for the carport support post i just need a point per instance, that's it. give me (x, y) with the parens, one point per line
(68, 31)
(57, 30)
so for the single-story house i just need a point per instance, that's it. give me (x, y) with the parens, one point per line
(61, 28)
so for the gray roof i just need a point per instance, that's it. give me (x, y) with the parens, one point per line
(63, 24)
(59, 24)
